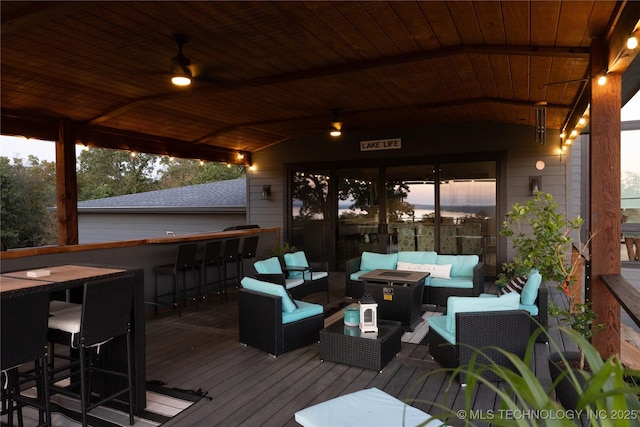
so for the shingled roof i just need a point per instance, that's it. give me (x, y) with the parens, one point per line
(227, 196)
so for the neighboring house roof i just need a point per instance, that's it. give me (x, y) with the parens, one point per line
(221, 196)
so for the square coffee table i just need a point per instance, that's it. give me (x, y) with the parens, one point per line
(346, 344)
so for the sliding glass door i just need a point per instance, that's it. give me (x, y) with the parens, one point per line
(445, 207)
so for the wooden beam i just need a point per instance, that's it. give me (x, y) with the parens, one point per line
(619, 57)
(66, 185)
(96, 136)
(604, 198)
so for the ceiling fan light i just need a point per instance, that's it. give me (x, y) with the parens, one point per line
(181, 80)
(632, 42)
(335, 132)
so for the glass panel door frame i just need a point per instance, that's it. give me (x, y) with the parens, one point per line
(331, 221)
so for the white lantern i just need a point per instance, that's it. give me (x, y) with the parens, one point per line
(368, 314)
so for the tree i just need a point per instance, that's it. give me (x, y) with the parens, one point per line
(107, 173)
(26, 193)
(181, 172)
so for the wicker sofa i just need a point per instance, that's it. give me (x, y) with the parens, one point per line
(466, 274)
(273, 322)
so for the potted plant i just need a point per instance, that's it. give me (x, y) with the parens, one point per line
(542, 237)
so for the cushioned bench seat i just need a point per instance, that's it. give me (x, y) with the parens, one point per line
(370, 407)
(460, 275)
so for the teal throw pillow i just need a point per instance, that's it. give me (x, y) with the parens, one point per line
(372, 261)
(530, 289)
(268, 266)
(296, 259)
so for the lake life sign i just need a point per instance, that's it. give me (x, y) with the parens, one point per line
(381, 144)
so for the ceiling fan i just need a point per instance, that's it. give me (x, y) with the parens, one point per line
(336, 126)
(181, 72)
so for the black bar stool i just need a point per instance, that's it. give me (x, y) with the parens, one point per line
(212, 259)
(105, 316)
(185, 261)
(24, 341)
(249, 248)
(231, 255)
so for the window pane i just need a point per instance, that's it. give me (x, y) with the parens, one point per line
(468, 211)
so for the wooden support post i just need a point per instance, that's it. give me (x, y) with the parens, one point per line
(604, 196)
(66, 185)
(578, 280)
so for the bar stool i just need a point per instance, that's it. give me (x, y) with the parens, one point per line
(231, 255)
(185, 261)
(212, 258)
(24, 340)
(105, 315)
(249, 248)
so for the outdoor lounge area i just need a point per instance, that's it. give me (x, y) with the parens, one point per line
(250, 387)
(359, 127)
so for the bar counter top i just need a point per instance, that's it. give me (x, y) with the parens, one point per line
(46, 250)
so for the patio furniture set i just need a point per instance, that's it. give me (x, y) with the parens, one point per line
(272, 320)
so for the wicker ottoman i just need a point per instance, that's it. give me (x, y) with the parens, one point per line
(344, 344)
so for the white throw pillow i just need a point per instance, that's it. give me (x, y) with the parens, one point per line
(435, 270)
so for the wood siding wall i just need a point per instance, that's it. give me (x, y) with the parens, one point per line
(97, 227)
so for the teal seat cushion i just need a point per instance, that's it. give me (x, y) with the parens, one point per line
(268, 266)
(418, 257)
(510, 301)
(271, 289)
(304, 310)
(438, 324)
(461, 265)
(532, 309)
(454, 282)
(370, 261)
(530, 289)
(357, 274)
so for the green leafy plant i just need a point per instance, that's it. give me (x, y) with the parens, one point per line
(604, 393)
(541, 236)
(280, 249)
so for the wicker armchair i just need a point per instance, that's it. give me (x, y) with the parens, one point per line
(315, 274)
(509, 330)
(260, 323)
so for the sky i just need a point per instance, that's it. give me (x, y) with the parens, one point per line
(45, 150)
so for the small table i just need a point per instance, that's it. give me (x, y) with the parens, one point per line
(398, 294)
(346, 344)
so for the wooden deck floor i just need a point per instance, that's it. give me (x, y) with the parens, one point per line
(248, 387)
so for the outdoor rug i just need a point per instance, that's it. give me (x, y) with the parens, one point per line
(163, 403)
(415, 337)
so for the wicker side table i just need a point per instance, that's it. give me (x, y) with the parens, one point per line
(344, 344)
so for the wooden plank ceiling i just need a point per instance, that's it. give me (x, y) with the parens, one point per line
(268, 71)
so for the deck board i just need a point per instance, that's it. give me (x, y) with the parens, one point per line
(248, 387)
